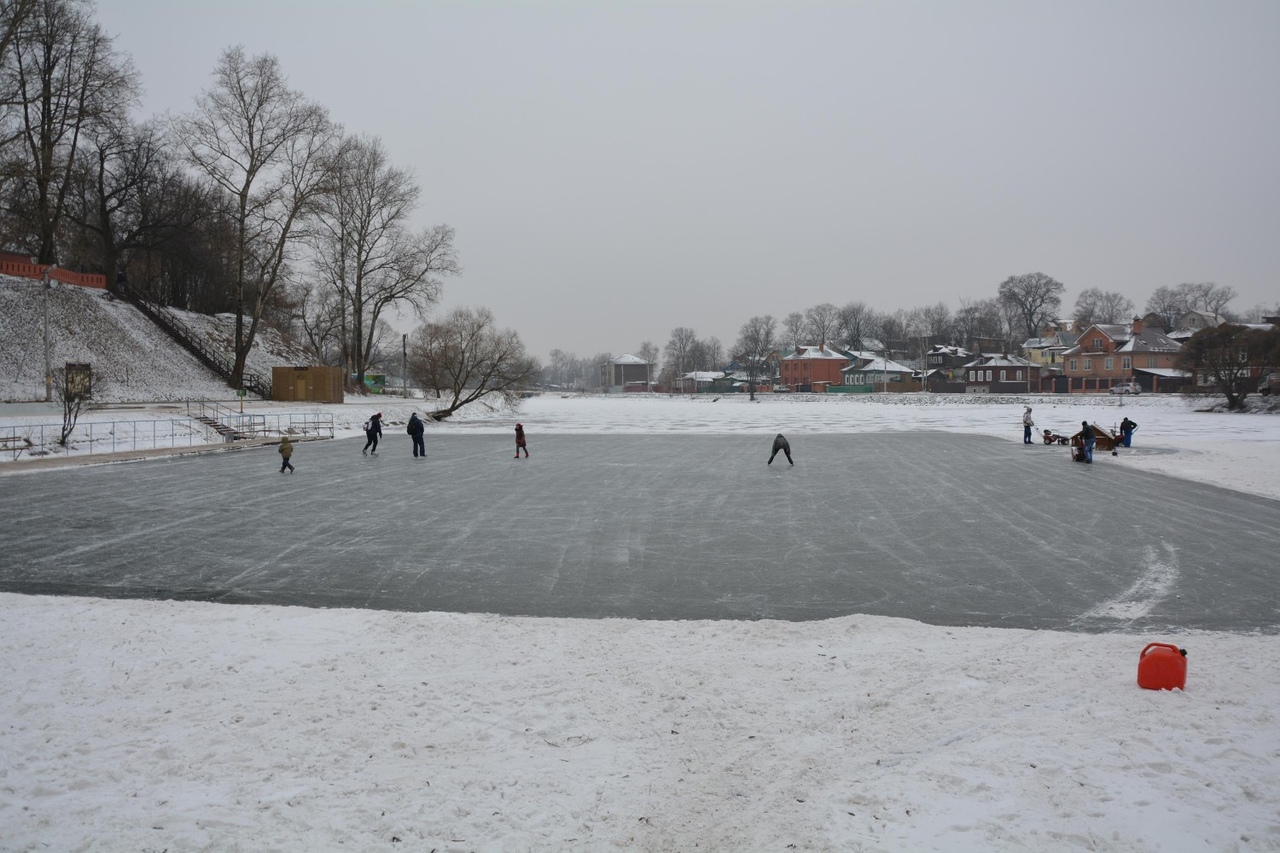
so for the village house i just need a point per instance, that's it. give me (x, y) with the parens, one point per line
(1108, 354)
(1047, 351)
(1001, 374)
(626, 372)
(813, 368)
(947, 359)
(869, 371)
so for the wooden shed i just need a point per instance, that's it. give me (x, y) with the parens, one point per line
(310, 384)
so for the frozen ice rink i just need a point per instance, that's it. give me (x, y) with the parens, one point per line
(945, 528)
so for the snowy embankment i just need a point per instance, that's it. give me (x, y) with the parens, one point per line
(131, 359)
(135, 725)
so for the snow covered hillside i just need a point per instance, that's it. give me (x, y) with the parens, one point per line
(132, 359)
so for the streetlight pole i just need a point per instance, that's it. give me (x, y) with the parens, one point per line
(48, 366)
(404, 363)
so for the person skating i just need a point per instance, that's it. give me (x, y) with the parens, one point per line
(372, 429)
(1027, 424)
(286, 453)
(780, 443)
(416, 428)
(1126, 431)
(521, 444)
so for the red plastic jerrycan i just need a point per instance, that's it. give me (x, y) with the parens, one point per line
(1162, 667)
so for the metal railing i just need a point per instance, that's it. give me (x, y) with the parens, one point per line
(40, 440)
(90, 437)
(243, 425)
(216, 361)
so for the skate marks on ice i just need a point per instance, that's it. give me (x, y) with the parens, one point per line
(1157, 582)
(938, 527)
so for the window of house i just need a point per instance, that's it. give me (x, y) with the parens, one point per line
(1110, 364)
(1074, 368)
(1124, 363)
(1088, 364)
(988, 375)
(1097, 344)
(1002, 375)
(1151, 361)
(1018, 376)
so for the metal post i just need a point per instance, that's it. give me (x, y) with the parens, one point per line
(404, 364)
(48, 367)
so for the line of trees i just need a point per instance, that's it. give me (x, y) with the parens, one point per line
(254, 202)
(1022, 308)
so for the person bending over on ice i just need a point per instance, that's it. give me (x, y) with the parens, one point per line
(780, 443)
(372, 429)
(415, 430)
(1126, 431)
(286, 451)
(521, 444)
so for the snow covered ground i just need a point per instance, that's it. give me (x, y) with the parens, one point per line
(131, 359)
(146, 725)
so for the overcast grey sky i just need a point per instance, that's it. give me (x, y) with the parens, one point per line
(617, 169)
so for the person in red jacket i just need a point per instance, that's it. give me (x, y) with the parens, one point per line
(520, 442)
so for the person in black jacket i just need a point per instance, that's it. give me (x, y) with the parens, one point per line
(1126, 431)
(1086, 434)
(780, 443)
(372, 429)
(416, 429)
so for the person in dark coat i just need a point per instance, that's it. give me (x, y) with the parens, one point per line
(416, 428)
(521, 444)
(286, 453)
(372, 429)
(1126, 431)
(1087, 436)
(780, 443)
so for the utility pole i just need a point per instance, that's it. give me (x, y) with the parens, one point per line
(404, 363)
(48, 366)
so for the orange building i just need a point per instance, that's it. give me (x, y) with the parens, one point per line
(1110, 353)
(813, 368)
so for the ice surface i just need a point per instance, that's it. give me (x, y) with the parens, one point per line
(190, 725)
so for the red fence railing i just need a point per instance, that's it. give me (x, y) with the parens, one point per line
(27, 269)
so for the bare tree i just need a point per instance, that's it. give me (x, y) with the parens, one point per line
(855, 325)
(1215, 298)
(13, 15)
(649, 352)
(979, 320)
(936, 322)
(1095, 305)
(365, 251)
(73, 390)
(1172, 302)
(1035, 299)
(271, 150)
(64, 78)
(131, 196)
(1169, 304)
(821, 323)
(679, 352)
(793, 329)
(712, 355)
(756, 343)
(467, 358)
(1228, 358)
